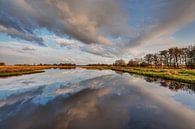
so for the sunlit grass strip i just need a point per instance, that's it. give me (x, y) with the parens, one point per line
(31, 68)
(18, 73)
(181, 75)
(187, 72)
(96, 67)
(173, 75)
(8, 71)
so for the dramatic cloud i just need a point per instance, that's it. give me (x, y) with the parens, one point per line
(104, 28)
(90, 21)
(15, 33)
(168, 18)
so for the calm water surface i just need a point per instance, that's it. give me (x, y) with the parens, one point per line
(90, 99)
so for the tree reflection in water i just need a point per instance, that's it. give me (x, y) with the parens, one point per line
(172, 85)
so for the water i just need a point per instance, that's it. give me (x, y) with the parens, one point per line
(90, 99)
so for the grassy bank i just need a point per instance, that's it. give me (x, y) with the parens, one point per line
(95, 67)
(181, 75)
(8, 71)
(18, 73)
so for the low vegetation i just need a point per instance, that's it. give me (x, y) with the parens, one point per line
(18, 73)
(181, 75)
(187, 76)
(173, 64)
(2, 64)
(96, 67)
(16, 70)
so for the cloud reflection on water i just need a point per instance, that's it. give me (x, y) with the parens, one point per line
(104, 102)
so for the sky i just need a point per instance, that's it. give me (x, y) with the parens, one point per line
(92, 31)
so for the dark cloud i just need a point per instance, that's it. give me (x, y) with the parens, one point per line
(93, 22)
(90, 21)
(169, 17)
(19, 34)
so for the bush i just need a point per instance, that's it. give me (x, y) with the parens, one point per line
(2, 64)
(144, 64)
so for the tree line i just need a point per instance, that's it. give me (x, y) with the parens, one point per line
(172, 57)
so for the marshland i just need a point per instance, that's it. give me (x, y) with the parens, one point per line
(97, 64)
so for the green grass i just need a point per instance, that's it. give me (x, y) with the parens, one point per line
(181, 75)
(170, 74)
(96, 67)
(187, 72)
(18, 73)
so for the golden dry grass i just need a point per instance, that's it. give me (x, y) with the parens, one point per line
(6, 71)
(182, 75)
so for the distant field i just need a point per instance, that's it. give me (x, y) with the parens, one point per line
(7, 71)
(182, 75)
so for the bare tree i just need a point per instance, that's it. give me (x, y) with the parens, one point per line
(120, 62)
(191, 57)
(173, 57)
(149, 58)
(133, 63)
(164, 56)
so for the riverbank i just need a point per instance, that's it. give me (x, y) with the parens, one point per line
(181, 75)
(8, 71)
